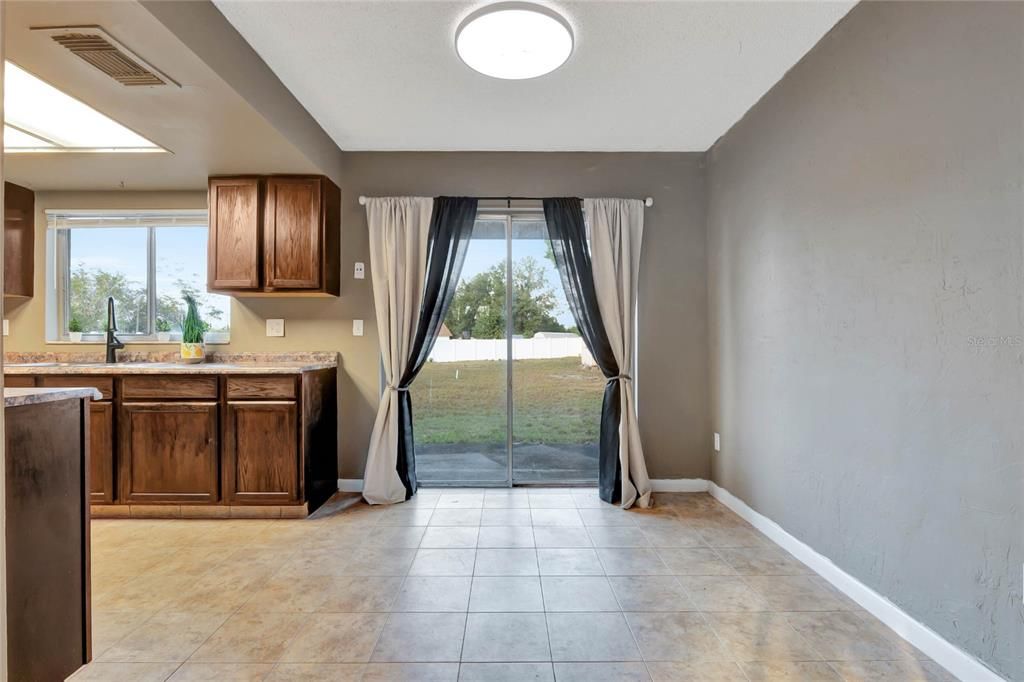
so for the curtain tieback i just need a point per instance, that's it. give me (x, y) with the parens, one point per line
(621, 377)
(399, 389)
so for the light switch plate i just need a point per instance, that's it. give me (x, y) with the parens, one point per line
(360, 271)
(275, 327)
(718, 442)
(357, 327)
(7, 327)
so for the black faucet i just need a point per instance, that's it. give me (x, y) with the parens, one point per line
(113, 343)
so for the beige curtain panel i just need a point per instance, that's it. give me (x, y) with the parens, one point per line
(616, 235)
(399, 228)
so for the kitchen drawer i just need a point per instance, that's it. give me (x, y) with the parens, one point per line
(105, 385)
(172, 386)
(19, 381)
(261, 388)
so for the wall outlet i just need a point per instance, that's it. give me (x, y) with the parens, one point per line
(7, 327)
(718, 442)
(360, 271)
(275, 327)
(357, 327)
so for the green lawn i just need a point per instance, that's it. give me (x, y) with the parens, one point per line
(556, 401)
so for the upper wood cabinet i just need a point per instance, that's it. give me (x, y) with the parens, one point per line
(292, 233)
(274, 235)
(233, 256)
(19, 239)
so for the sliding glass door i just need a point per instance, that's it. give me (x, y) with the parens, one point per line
(460, 398)
(556, 387)
(510, 393)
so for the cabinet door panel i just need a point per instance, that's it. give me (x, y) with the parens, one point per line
(168, 452)
(261, 454)
(19, 239)
(101, 452)
(235, 233)
(292, 226)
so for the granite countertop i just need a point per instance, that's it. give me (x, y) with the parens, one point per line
(168, 363)
(16, 397)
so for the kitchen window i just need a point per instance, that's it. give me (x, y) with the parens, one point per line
(146, 260)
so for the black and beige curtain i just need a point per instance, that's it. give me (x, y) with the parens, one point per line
(417, 248)
(600, 280)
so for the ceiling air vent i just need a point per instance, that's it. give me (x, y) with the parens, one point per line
(98, 48)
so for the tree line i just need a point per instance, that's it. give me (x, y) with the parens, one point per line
(478, 307)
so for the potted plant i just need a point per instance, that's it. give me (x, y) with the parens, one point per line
(75, 330)
(163, 330)
(192, 331)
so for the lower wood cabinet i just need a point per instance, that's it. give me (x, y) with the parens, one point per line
(47, 539)
(261, 452)
(212, 439)
(101, 452)
(169, 452)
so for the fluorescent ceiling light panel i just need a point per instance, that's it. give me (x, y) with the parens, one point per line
(18, 140)
(36, 109)
(514, 41)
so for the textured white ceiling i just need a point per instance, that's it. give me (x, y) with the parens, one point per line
(645, 76)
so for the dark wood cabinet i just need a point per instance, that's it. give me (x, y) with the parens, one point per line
(169, 452)
(102, 488)
(274, 235)
(102, 483)
(105, 385)
(19, 239)
(47, 539)
(208, 440)
(291, 233)
(101, 452)
(261, 452)
(233, 254)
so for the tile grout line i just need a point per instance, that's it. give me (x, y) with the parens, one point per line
(632, 633)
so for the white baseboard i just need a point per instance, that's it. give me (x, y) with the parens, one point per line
(679, 485)
(350, 485)
(958, 662)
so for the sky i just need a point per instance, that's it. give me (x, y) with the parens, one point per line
(483, 254)
(180, 254)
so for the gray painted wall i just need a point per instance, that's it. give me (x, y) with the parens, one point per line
(672, 377)
(866, 278)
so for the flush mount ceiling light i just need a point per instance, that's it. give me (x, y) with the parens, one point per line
(514, 40)
(40, 118)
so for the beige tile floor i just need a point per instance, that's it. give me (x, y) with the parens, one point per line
(493, 585)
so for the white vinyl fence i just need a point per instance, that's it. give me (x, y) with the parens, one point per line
(542, 345)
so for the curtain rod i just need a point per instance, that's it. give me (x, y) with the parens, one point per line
(649, 201)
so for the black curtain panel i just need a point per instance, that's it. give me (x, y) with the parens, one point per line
(568, 233)
(451, 226)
